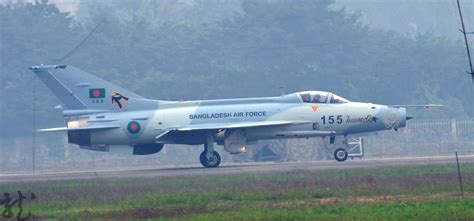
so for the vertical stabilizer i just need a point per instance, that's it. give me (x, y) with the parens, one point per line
(77, 89)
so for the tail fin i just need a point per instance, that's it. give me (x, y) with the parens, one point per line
(78, 89)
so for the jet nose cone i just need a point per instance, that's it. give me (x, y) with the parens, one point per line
(409, 118)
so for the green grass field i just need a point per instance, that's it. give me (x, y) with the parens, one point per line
(386, 193)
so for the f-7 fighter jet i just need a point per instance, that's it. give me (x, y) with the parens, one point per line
(100, 115)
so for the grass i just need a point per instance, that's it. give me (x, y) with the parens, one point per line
(386, 193)
(429, 210)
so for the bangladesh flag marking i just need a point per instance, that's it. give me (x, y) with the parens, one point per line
(133, 127)
(97, 93)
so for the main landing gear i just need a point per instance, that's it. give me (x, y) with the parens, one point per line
(209, 157)
(212, 161)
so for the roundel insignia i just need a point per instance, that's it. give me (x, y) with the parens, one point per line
(133, 127)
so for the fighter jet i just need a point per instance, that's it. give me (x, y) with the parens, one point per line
(99, 115)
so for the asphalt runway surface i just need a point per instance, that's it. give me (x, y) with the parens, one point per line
(230, 169)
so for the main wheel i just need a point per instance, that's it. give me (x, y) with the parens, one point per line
(212, 162)
(340, 154)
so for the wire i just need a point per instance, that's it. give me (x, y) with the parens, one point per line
(71, 52)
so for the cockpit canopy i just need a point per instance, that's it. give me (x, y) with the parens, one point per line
(321, 97)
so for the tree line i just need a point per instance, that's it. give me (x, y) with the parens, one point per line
(253, 50)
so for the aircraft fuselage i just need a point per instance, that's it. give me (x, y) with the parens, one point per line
(100, 114)
(309, 120)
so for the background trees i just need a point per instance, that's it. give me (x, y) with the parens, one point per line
(220, 49)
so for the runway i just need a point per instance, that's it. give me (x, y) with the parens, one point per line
(230, 169)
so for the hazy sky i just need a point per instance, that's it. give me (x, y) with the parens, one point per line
(63, 5)
(411, 17)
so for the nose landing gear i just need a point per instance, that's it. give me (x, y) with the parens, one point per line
(353, 148)
(340, 154)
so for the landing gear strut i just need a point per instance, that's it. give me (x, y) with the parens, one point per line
(210, 158)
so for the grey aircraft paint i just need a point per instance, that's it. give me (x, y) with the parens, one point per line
(99, 114)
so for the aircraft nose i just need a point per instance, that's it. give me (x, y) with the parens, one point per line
(408, 118)
(394, 117)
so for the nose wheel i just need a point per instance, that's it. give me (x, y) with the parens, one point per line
(340, 154)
